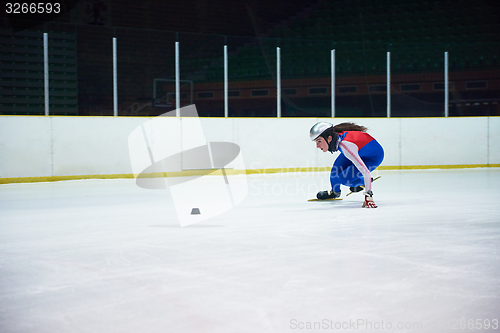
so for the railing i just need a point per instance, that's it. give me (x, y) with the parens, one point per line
(112, 71)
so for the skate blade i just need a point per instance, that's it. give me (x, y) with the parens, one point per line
(348, 194)
(333, 199)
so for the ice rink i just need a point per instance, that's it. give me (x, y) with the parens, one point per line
(108, 256)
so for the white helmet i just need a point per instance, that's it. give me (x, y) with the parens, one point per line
(318, 129)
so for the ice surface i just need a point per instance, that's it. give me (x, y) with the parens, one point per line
(108, 256)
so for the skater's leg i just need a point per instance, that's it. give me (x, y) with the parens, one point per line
(351, 177)
(339, 166)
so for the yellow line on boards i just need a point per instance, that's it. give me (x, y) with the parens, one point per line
(427, 167)
(218, 172)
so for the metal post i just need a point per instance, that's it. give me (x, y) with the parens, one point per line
(388, 84)
(226, 108)
(46, 71)
(278, 81)
(115, 80)
(332, 61)
(446, 95)
(177, 82)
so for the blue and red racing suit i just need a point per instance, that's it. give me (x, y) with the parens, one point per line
(360, 154)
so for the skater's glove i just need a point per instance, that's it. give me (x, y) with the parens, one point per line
(369, 203)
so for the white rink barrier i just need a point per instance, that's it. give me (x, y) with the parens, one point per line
(41, 148)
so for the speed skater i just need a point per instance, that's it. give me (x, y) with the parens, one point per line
(360, 154)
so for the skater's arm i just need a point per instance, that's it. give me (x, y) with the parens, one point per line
(351, 152)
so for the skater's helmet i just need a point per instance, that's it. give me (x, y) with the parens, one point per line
(319, 129)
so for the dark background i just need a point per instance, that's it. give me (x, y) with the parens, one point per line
(417, 33)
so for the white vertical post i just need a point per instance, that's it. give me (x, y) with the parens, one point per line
(226, 108)
(115, 79)
(388, 84)
(278, 81)
(177, 82)
(46, 71)
(446, 95)
(332, 61)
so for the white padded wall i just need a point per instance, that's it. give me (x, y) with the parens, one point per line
(73, 146)
(25, 147)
